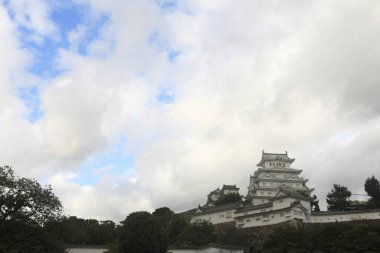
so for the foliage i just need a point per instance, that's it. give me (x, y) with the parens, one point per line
(178, 225)
(141, 232)
(314, 204)
(324, 238)
(73, 230)
(172, 224)
(228, 198)
(24, 238)
(25, 209)
(372, 187)
(338, 198)
(199, 233)
(25, 200)
(163, 211)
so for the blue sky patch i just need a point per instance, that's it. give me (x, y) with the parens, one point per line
(172, 55)
(31, 99)
(66, 17)
(165, 96)
(114, 161)
(167, 5)
(155, 40)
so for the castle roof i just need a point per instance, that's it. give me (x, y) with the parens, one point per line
(274, 157)
(294, 204)
(230, 187)
(217, 190)
(289, 193)
(254, 207)
(229, 206)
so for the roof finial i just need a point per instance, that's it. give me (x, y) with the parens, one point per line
(263, 150)
(286, 152)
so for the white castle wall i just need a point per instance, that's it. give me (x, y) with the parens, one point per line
(327, 217)
(217, 217)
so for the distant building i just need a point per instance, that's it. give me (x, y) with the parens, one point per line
(216, 194)
(275, 173)
(276, 193)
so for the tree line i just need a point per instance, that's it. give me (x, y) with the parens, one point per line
(31, 221)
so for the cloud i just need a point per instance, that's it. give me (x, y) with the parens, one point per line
(274, 75)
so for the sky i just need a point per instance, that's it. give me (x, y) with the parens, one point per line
(127, 105)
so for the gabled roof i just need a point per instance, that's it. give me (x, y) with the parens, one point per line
(217, 190)
(230, 187)
(292, 205)
(229, 206)
(254, 207)
(284, 193)
(274, 157)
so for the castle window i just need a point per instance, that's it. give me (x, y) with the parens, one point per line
(282, 214)
(264, 183)
(280, 201)
(258, 218)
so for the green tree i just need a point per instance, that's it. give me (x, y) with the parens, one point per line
(314, 204)
(25, 199)
(228, 198)
(338, 198)
(172, 224)
(141, 232)
(25, 209)
(372, 187)
(165, 217)
(198, 234)
(178, 225)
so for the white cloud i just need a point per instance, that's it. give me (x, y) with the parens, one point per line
(35, 16)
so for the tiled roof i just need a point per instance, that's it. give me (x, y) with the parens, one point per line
(274, 157)
(217, 190)
(230, 187)
(254, 207)
(292, 194)
(229, 206)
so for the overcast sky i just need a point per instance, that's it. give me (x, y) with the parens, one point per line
(134, 105)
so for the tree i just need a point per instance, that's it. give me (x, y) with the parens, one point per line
(165, 217)
(141, 232)
(24, 199)
(228, 198)
(338, 198)
(314, 204)
(198, 234)
(372, 187)
(25, 209)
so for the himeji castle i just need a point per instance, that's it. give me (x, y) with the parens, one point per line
(277, 193)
